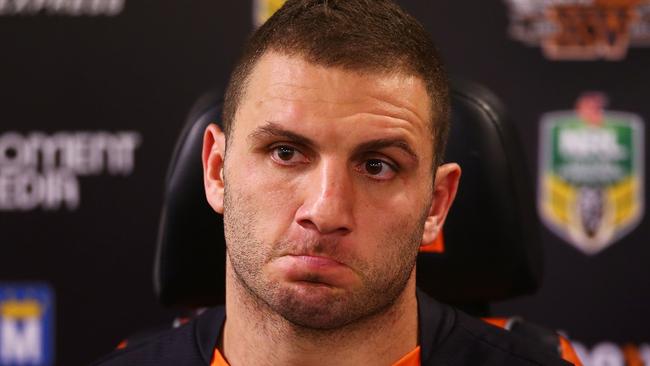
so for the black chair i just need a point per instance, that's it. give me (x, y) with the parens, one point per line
(191, 247)
(492, 236)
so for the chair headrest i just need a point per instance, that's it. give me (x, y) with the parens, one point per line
(492, 234)
(491, 238)
(189, 267)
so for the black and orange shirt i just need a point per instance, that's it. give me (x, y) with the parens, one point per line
(410, 359)
(446, 337)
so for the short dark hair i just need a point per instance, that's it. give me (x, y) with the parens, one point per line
(357, 35)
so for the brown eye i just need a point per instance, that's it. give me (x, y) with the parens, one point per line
(377, 169)
(374, 167)
(285, 153)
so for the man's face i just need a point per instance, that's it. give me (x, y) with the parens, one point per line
(328, 183)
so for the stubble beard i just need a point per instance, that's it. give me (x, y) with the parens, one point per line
(319, 308)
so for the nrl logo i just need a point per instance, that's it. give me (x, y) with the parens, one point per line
(590, 182)
(263, 9)
(581, 29)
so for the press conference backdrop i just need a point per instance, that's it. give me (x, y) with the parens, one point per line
(94, 92)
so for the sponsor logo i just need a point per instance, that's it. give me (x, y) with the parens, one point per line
(610, 354)
(26, 325)
(581, 29)
(590, 182)
(39, 170)
(263, 9)
(62, 7)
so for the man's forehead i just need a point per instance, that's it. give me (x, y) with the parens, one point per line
(292, 78)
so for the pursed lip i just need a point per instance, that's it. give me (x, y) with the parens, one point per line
(313, 260)
(314, 268)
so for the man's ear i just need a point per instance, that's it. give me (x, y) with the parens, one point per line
(213, 155)
(444, 191)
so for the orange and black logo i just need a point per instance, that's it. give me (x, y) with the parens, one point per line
(581, 29)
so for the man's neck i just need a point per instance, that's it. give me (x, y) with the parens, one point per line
(255, 335)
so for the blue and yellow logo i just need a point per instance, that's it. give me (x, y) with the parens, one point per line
(26, 325)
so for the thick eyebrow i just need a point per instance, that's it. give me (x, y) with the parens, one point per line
(374, 145)
(274, 130)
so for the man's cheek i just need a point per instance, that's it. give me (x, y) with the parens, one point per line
(397, 218)
(272, 194)
(277, 187)
(384, 205)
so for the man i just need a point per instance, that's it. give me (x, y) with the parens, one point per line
(329, 177)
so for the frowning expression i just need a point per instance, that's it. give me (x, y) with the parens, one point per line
(328, 184)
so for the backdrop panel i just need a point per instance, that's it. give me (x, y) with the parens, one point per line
(94, 93)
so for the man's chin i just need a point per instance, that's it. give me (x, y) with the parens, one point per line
(314, 305)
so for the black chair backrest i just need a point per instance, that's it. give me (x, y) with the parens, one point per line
(492, 234)
(492, 247)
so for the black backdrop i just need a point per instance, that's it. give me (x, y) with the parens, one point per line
(138, 71)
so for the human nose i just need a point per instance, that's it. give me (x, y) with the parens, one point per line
(328, 201)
